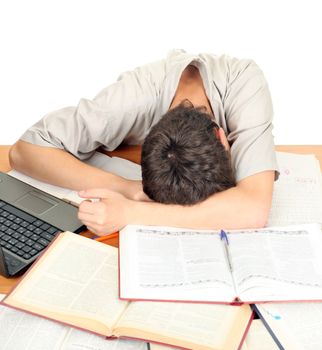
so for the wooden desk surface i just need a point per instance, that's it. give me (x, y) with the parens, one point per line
(133, 153)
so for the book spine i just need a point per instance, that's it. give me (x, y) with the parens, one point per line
(246, 330)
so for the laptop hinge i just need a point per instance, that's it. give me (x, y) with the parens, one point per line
(3, 265)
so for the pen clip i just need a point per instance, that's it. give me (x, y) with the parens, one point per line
(223, 236)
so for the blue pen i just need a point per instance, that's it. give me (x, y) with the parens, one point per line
(224, 239)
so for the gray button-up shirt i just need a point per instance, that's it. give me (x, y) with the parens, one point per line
(126, 110)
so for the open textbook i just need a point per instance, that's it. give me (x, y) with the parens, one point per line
(23, 331)
(296, 326)
(115, 165)
(255, 265)
(75, 282)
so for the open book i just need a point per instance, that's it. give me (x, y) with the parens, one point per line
(75, 282)
(175, 264)
(115, 165)
(295, 326)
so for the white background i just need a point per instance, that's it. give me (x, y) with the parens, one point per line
(52, 53)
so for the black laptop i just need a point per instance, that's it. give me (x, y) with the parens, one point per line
(29, 220)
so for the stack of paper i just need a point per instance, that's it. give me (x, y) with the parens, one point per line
(297, 196)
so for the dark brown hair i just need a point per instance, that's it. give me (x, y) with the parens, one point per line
(182, 160)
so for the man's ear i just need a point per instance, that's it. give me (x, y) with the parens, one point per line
(220, 134)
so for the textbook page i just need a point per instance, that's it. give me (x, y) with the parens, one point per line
(167, 263)
(277, 263)
(191, 325)
(297, 326)
(297, 194)
(115, 165)
(76, 283)
(20, 330)
(257, 338)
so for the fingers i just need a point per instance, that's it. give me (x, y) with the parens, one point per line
(106, 215)
(87, 207)
(89, 218)
(93, 216)
(93, 230)
(99, 230)
(92, 212)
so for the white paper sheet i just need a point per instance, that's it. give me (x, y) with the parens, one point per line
(297, 195)
(115, 165)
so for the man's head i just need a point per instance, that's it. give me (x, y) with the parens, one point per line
(183, 162)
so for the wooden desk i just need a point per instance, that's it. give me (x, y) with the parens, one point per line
(133, 153)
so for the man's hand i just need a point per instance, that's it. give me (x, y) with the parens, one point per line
(107, 215)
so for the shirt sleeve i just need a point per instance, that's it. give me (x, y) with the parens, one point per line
(249, 112)
(123, 111)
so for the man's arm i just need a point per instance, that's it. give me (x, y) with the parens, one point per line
(60, 168)
(50, 150)
(245, 206)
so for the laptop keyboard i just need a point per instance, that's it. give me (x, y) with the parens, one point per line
(23, 234)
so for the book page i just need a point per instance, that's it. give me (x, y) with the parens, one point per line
(162, 263)
(20, 330)
(191, 325)
(297, 195)
(257, 338)
(76, 281)
(80, 340)
(277, 263)
(296, 325)
(115, 165)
